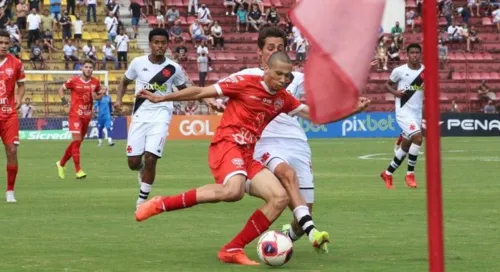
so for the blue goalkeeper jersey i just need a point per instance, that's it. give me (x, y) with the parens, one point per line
(103, 107)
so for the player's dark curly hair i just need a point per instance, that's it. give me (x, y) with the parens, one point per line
(413, 45)
(158, 32)
(4, 33)
(270, 32)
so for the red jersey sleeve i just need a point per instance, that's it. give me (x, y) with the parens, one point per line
(69, 84)
(20, 77)
(98, 85)
(291, 105)
(231, 87)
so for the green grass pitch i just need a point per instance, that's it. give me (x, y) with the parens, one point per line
(70, 225)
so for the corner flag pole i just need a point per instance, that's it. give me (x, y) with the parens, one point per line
(432, 147)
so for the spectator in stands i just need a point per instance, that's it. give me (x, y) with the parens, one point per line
(35, 4)
(448, 12)
(160, 20)
(91, 6)
(202, 67)
(4, 18)
(21, 12)
(454, 106)
(108, 51)
(55, 9)
(15, 49)
(203, 48)
(192, 7)
(177, 108)
(122, 41)
(173, 16)
(181, 52)
(27, 109)
(393, 53)
(65, 23)
(157, 6)
(48, 22)
(176, 32)
(89, 51)
(136, 12)
(419, 8)
(15, 34)
(229, 5)
(473, 38)
(443, 54)
(197, 32)
(241, 18)
(496, 17)
(300, 48)
(454, 33)
(111, 26)
(473, 4)
(259, 4)
(218, 39)
(382, 57)
(191, 107)
(410, 20)
(34, 22)
(78, 30)
(48, 43)
(490, 108)
(484, 92)
(204, 16)
(36, 55)
(397, 35)
(79, 5)
(465, 14)
(273, 18)
(70, 54)
(254, 18)
(70, 6)
(112, 8)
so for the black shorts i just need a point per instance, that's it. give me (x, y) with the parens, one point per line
(77, 36)
(21, 23)
(36, 58)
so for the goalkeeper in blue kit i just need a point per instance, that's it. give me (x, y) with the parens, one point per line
(103, 109)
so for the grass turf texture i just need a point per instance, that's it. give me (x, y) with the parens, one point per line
(70, 225)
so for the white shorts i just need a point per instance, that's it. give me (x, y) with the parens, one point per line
(146, 137)
(410, 124)
(271, 152)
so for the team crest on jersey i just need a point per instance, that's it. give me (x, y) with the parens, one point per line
(278, 104)
(412, 127)
(238, 162)
(9, 72)
(166, 73)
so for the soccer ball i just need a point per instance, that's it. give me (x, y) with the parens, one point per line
(274, 248)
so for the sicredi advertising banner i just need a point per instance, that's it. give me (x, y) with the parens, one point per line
(57, 129)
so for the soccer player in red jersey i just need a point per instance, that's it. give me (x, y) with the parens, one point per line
(84, 89)
(254, 102)
(11, 73)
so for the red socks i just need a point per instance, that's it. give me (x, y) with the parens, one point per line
(11, 177)
(256, 225)
(75, 153)
(72, 151)
(181, 201)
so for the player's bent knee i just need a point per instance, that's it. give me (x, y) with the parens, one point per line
(286, 175)
(234, 188)
(279, 199)
(134, 162)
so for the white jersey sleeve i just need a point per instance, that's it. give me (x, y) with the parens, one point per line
(395, 75)
(179, 78)
(131, 72)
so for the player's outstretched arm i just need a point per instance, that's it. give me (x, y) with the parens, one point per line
(190, 93)
(363, 103)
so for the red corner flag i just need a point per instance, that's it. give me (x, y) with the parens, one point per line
(343, 37)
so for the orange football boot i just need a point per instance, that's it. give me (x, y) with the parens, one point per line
(237, 256)
(149, 208)
(410, 180)
(387, 180)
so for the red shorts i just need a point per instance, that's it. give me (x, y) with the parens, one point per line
(9, 131)
(227, 159)
(79, 124)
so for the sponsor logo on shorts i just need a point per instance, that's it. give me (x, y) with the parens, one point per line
(238, 162)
